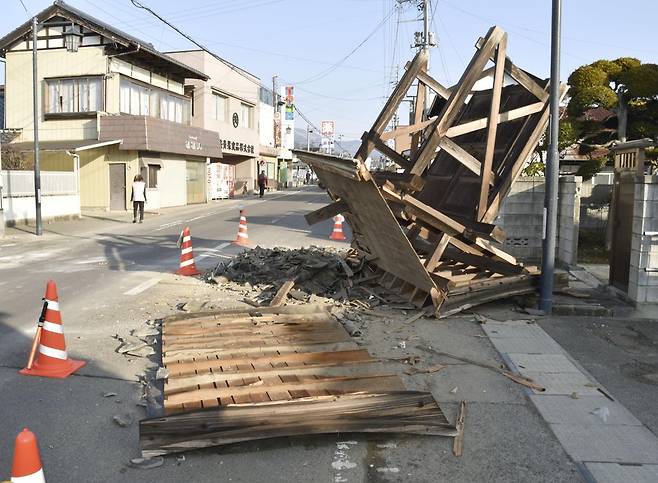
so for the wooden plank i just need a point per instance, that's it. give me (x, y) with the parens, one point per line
(458, 443)
(287, 359)
(189, 383)
(192, 354)
(461, 155)
(418, 64)
(487, 175)
(511, 115)
(456, 100)
(346, 384)
(489, 247)
(390, 153)
(485, 263)
(435, 259)
(433, 84)
(325, 212)
(406, 130)
(282, 293)
(419, 112)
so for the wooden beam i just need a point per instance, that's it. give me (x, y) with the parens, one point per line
(418, 64)
(426, 213)
(391, 153)
(515, 169)
(512, 114)
(487, 175)
(326, 212)
(485, 262)
(489, 247)
(282, 293)
(461, 155)
(456, 100)
(402, 130)
(520, 76)
(435, 259)
(433, 84)
(419, 111)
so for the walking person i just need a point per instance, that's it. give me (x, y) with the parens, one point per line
(262, 183)
(138, 197)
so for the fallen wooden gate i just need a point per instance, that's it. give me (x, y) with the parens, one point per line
(239, 375)
(429, 226)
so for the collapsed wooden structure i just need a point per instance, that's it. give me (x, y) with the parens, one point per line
(240, 375)
(429, 226)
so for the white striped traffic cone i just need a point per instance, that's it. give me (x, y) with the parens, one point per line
(53, 360)
(187, 266)
(26, 467)
(337, 234)
(243, 236)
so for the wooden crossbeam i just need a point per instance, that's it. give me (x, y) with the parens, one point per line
(390, 153)
(463, 156)
(512, 114)
(520, 76)
(487, 175)
(402, 130)
(418, 64)
(485, 262)
(326, 212)
(435, 259)
(456, 100)
(433, 84)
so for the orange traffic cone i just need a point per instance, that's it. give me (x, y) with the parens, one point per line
(187, 266)
(27, 462)
(52, 361)
(337, 234)
(243, 236)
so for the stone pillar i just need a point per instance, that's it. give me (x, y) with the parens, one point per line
(643, 273)
(568, 223)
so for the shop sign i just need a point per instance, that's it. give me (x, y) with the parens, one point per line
(239, 147)
(193, 143)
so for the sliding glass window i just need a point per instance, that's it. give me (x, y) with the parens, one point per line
(74, 95)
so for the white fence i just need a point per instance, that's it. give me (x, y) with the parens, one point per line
(59, 195)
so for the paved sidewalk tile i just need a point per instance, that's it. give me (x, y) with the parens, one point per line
(536, 344)
(615, 473)
(565, 383)
(615, 444)
(547, 363)
(525, 330)
(566, 410)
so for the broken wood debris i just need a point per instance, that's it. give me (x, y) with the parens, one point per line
(289, 370)
(458, 443)
(428, 226)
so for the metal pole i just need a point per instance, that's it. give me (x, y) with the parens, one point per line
(35, 99)
(426, 24)
(552, 170)
(308, 139)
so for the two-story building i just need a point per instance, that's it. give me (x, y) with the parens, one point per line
(110, 107)
(226, 101)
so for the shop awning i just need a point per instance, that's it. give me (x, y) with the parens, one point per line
(145, 133)
(70, 145)
(146, 159)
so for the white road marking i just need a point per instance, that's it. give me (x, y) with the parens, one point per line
(219, 247)
(143, 286)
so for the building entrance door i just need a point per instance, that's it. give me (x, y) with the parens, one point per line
(118, 187)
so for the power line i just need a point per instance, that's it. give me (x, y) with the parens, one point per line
(24, 7)
(322, 74)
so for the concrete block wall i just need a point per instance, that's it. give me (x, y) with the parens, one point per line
(568, 222)
(522, 218)
(643, 273)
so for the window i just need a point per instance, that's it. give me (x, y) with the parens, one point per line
(266, 96)
(220, 107)
(246, 115)
(74, 95)
(153, 176)
(140, 100)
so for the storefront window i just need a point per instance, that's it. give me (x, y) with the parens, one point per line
(80, 94)
(153, 176)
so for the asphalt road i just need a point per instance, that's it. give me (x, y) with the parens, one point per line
(113, 275)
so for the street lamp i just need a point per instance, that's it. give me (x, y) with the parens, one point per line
(72, 39)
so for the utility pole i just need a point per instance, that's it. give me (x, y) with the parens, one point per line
(308, 138)
(426, 24)
(552, 169)
(35, 99)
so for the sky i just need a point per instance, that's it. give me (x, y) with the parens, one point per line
(305, 42)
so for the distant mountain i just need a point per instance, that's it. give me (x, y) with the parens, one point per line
(300, 141)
